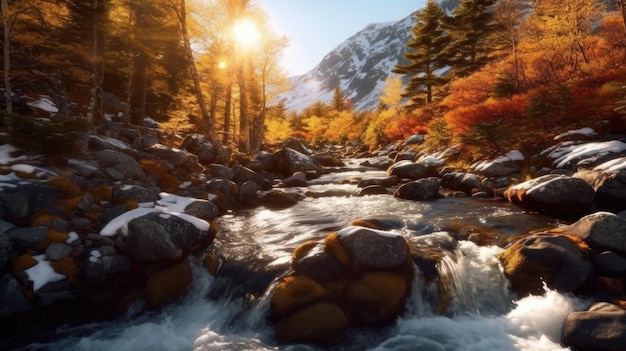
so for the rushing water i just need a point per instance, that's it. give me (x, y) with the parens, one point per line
(228, 312)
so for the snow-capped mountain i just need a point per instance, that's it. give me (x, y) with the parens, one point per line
(359, 65)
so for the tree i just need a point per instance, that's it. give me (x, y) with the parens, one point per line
(427, 56)
(471, 30)
(7, 23)
(392, 98)
(339, 99)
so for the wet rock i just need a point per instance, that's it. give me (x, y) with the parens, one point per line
(385, 182)
(318, 265)
(18, 203)
(407, 155)
(553, 193)
(418, 190)
(380, 222)
(602, 230)
(414, 139)
(427, 252)
(328, 160)
(223, 193)
(376, 297)
(200, 146)
(321, 322)
(169, 284)
(139, 194)
(298, 179)
(295, 292)
(380, 162)
(106, 271)
(372, 190)
(298, 145)
(6, 246)
(55, 292)
(12, 300)
(118, 166)
(374, 248)
(602, 327)
(554, 259)
(277, 199)
(289, 161)
(158, 236)
(220, 171)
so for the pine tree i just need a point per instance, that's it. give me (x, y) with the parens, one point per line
(471, 28)
(427, 56)
(339, 100)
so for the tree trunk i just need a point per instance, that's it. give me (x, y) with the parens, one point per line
(208, 119)
(228, 96)
(244, 126)
(6, 20)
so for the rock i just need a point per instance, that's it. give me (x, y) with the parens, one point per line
(610, 188)
(408, 155)
(289, 161)
(118, 166)
(180, 159)
(55, 292)
(243, 174)
(553, 193)
(265, 162)
(321, 322)
(6, 246)
(57, 251)
(277, 199)
(601, 230)
(298, 179)
(318, 265)
(504, 165)
(27, 237)
(298, 145)
(380, 162)
(602, 327)
(374, 248)
(421, 189)
(554, 259)
(408, 170)
(385, 182)
(12, 300)
(380, 222)
(222, 192)
(376, 297)
(202, 209)
(328, 160)
(168, 284)
(18, 203)
(372, 190)
(465, 182)
(249, 193)
(157, 236)
(427, 252)
(138, 194)
(414, 139)
(200, 146)
(106, 272)
(610, 264)
(293, 293)
(220, 171)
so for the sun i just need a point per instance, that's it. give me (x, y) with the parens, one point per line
(246, 33)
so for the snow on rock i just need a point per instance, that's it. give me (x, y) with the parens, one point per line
(588, 132)
(614, 165)
(42, 273)
(506, 164)
(46, 104)
(5, 154)
(570, 154)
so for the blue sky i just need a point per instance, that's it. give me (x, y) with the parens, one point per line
(315, 27)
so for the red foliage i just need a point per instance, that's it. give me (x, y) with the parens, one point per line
(490, 111)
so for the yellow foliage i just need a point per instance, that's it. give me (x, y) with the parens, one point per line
(277, 130)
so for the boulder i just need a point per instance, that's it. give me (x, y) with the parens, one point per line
(601, 230)
(408, 170)
(385, 182)
(168, 284)
(421, 189)
(321, 322)
(317, 264)
(295, 292)
(263, 162)
(289, 161)
(602, 327)
(278, 199)
(157, 236)
(379, 162)
(105, 272)
(372, 190)
(12, 299)
(558, 261)
(465, 182)
(118, 166)
(178, 158)
(6, 246)
(374, 248)
(610, 188)
(57, 251)
(298, 145)
(505, 165)
(414, 139)
(376, 297)
(220, 171)
(328, 160)
(138, 194)
(18, 203)
(298, 179)
(200, 146)
(202, 209)
(243, 174)
(553, 193)
(610, 264)
(27, 237)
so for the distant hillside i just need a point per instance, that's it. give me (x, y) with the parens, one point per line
(359, 65)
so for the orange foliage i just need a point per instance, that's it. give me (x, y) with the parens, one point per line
(490, 111)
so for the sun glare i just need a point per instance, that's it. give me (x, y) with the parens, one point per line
(246, 33)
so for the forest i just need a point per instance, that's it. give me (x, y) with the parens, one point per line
(491, 76)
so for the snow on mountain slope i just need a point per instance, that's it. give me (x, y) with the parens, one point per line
(359, 65)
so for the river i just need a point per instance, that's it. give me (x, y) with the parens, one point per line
(228, 312)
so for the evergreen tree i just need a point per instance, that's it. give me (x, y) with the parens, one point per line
(339, 100)
(471, 29)
(427, 56)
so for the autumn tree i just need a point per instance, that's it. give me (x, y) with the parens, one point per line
(427, 56)
(339, 99)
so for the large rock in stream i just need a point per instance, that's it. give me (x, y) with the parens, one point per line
(602, 327)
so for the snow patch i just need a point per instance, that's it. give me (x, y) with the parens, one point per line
(347, 231)
(582, 131)
(42, 273)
